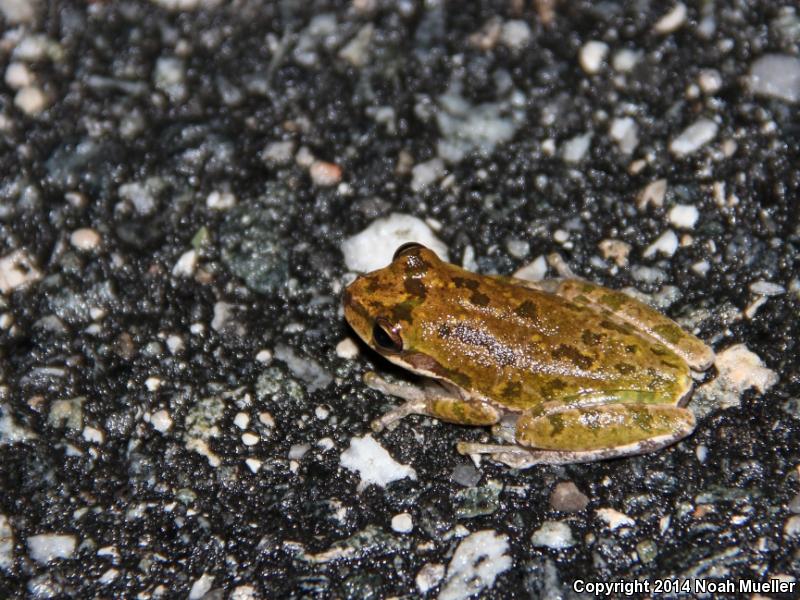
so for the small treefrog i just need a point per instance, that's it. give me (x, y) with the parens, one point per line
(567, 371)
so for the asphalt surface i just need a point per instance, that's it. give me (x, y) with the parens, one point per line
(176, 186)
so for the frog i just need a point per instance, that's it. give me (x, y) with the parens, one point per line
(563, 370)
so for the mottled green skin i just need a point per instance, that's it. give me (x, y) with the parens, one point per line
(512, 348)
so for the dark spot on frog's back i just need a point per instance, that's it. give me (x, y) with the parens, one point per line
(571, 353)
(527, 310)
(415, 288)
(402, 311)
(479, 299)
(590, 338)
(625, 368)
(511, 390)
(617, 327)
(464, 282)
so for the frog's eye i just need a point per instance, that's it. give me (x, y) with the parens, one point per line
(386, 336)
(406, 248)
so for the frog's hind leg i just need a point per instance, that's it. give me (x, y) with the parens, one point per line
(575, 435)
(434, 399)
(631, 313)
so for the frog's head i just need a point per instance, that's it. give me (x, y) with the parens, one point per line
(379, 305)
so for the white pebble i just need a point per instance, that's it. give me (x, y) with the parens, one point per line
(534, 271)
(186, 265)
(767, 288)
(201, 586)
(322, 412)
(684, 216)
(402, 523)
(51, 546)
(17, 270)
(515, 34)
(625, 132)
(574, 149)
(426, 173)
(264, 356)
(266, 419)
(374, 247)
(373, 463)
(31, 100)
(253, 464)
(93, 435)
(560, 236)
(175, 344)
(347, 349)
(592, 55)
(220, 200)
(298, 451)
(325, 174)
(161, 421)
(19, 76)
(85, 239)
(694, 137)
(777, 76)
(153, 383)
(429, 577)
(710, 81)
(614, 519)
(250, 439)
(325, 444)
(672, 20)
(701, 267)
(553, 534)
(241, 420)
(666, 244)
(625, 60)
(653, 193)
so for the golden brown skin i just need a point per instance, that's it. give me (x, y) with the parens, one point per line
(584, 369)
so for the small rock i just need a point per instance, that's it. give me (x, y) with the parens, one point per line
(515, 34)
(566, 497)
(666, 244)
(683, 215)
(575, 149)
(592, 55)
(653, 193)
(553, 534)
(615, 519)
(325, 174)
(672, 20)
(426, 173)
(694, 137)
(429, 577)
(347, 349)
(51, 546)
(31, 100)
(766, 288)
(616, 250)
(17, 270)
(625, 60)
(85, 239)
(402, 523)
(776, 76)
(791, 528)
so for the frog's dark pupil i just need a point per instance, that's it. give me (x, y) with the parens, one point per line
(386, 340)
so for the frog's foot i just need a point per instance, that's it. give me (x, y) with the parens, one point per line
(433, 400)
(517, 457)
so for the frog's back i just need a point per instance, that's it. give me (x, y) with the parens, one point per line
(522, 346)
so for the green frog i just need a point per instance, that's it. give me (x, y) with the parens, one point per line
(565, 370)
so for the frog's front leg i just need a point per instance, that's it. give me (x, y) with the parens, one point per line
(434, 399)
(586, 434)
